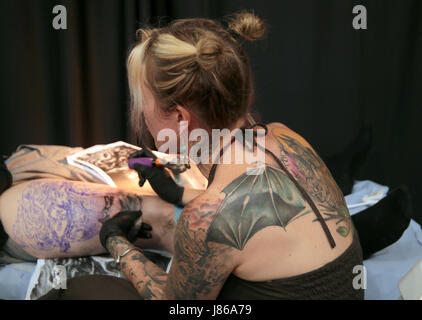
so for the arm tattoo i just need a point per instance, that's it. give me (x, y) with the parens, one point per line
(127, 202)
(105, 213)
(117, 245)
(148, 278)
(314, 176)
(53, 215)
(199, 267)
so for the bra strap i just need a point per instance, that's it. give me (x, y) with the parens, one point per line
(307, 198)
(214, 166)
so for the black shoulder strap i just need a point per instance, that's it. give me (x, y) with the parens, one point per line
(281, 165)
(214, 166)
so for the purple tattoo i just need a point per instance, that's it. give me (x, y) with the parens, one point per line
(56, 214)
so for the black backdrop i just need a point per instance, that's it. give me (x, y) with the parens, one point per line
(313, 72)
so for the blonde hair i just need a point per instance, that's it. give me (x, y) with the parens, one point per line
(196, 63)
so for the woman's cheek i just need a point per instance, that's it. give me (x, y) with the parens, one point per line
(150, 126)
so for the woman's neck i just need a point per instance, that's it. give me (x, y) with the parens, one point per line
(205, 168)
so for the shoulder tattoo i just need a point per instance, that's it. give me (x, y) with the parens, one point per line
(313, 175)
(252, 203)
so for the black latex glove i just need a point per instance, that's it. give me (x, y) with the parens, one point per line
(122, 224)
(160, 181)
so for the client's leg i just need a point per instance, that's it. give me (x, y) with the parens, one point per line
(60, 218)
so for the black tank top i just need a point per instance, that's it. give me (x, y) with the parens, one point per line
(332, 281)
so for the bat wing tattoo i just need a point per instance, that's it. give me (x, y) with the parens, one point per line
(252, 203)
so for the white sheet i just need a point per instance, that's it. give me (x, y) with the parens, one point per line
(385, 268)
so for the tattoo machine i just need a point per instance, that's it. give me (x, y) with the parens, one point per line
(176, 167)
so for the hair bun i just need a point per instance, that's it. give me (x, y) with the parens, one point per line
(208, 50)
(247, 25)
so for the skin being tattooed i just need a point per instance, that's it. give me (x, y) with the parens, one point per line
(127, 203)
(313, 175)
(53, 215)
(106, 211)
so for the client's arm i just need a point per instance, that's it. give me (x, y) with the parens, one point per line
(56, 218)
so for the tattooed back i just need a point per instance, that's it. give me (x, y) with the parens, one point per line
(262, 224)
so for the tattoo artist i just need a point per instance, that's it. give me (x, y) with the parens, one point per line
(245, 237)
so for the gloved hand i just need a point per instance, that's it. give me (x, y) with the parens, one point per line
(123, 225)
(160, 181)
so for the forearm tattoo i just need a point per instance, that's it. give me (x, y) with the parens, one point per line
(55, 215)
(117, 245)
(314, 176)
(148, 278)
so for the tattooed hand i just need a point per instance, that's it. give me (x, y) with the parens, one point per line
(123, 224)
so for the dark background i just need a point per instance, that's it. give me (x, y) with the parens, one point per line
(313, 72)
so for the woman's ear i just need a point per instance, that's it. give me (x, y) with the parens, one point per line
(183, 114)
